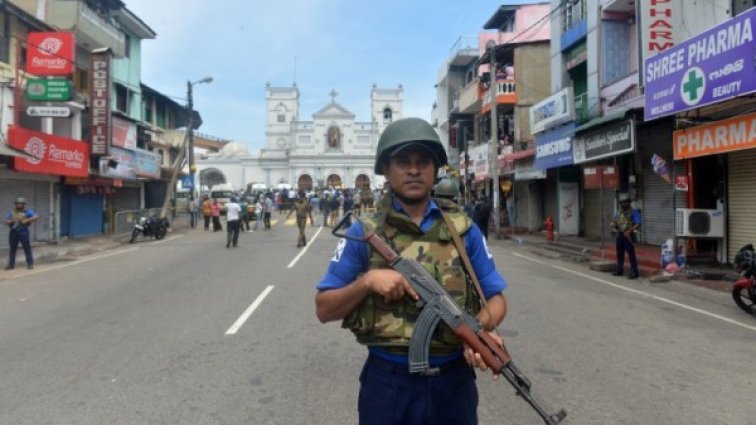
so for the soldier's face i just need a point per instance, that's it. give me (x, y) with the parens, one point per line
(411, 174)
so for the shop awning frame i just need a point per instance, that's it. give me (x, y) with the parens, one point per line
(601, 120)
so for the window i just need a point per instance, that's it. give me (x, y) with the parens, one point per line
(81, 80)
(740, 6)
(5, 40)
(122, 98)
(127, 45)
(148, 111)
(574, 12)
(281, 117)
(387, 115)
(615, 42)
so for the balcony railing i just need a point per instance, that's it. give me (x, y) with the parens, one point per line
(506, 93)
(100, 23)
(469, 97)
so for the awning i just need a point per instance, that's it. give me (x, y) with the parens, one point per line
(9, 151)
(601, 120)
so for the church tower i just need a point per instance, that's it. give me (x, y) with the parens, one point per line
(282, 104)
(386, 106)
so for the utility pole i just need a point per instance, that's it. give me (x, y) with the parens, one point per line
(190, 137)
(494, 143)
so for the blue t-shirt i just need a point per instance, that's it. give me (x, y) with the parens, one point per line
(352, 258)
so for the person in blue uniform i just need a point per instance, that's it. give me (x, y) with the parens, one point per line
(409, 155)
(19, 221)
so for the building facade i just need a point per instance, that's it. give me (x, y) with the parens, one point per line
(332, 150)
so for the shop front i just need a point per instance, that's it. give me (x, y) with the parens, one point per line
(35, 177)
(528, 193)
(604, 149)
(561, 198)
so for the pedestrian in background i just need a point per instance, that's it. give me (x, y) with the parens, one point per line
(315, 203)
(207, 211)
(192, 213)
(244, 205)
(303, 210)
(258, 211)
(333, 210)
(325, 206)
(215, 211)
(19, 221)
(233, 222)
(482, 214)
(268, 210)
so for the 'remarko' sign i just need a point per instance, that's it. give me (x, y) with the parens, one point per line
(99, 101)
(52, 154)
(50, 53)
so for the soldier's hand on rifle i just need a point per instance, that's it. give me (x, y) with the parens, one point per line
(474, 359)
(389, 284)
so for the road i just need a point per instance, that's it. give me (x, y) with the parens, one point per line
(185, 331)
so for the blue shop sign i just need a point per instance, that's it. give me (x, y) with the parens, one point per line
(554, 147)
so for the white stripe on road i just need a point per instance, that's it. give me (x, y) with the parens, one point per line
(248, 312)
(641, 293)
(294, 261)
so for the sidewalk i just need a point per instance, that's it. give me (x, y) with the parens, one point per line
(65, 250)
(602, 257)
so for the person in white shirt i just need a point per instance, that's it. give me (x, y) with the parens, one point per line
(258, 211)
(233, 214)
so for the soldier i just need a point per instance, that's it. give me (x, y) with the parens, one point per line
(447, 188)
(372, 299)
(304, 210)
(19, 221)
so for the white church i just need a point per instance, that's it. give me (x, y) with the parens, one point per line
(331, 151)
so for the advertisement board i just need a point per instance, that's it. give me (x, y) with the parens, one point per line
(50, 53)
(554, 147)
(723, 136)
(607, 141)
(121, 164)
(54, 155)
(124, 133)
(147, 164)
(713, 66)
(554, 110)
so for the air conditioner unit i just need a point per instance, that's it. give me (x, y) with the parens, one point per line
(698, 223)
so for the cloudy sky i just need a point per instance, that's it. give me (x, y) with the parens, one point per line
(344, 45)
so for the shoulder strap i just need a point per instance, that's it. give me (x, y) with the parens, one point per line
(463, 254)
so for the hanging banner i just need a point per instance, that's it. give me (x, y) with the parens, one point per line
(54, 155)
(711, 67)
(50, 53)
(99, 101)
(660, 168)
(124, 133)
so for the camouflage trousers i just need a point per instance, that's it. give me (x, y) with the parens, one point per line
(301, 223)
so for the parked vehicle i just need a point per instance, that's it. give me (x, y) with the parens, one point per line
(744, 291)
(150, 227)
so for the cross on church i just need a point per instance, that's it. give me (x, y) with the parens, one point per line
(333, 95)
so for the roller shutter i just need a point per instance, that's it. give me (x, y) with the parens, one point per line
(592, 212)
(550, 196)
(37, 194)
(741, 200)
(657, 206)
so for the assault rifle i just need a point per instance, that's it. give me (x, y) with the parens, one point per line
(435, 305)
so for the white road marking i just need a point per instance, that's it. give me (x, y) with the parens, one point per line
(641, 293)
(248, 312)
(294, 261)
(164, 240)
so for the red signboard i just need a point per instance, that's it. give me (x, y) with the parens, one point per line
(99, 98)
(50, 53)
(54, 155)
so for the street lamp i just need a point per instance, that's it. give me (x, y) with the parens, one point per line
(190, 129)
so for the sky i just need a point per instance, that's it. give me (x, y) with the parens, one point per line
(323, 45)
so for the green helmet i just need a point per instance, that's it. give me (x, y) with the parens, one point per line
(446, 188)
(408, 130)
(20, 200)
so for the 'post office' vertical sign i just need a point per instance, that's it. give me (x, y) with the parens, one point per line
(99, 101)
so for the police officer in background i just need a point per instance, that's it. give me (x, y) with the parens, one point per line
(374, 301)
(19, 221)
(625, 223)
(447, 188)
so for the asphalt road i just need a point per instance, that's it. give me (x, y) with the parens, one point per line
(185, 331)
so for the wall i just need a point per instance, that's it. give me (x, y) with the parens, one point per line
(533, 79)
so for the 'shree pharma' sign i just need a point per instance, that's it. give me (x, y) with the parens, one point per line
(99, 97)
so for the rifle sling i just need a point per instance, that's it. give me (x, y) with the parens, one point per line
(465, 259)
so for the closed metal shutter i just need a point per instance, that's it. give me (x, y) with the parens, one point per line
(741, 200)
(127, 198)
(592, 213)
(37, 194)
(550, 197)
(656, 194)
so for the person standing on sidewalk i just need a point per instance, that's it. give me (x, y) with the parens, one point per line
(244, 205)
(233, 222)
(258, 211)
(192, 213)
(19, 221)
(215, 211)
(626, 221)
(268, 210)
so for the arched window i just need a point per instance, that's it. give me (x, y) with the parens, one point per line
(387, 113)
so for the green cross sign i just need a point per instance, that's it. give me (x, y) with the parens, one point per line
(693, 86)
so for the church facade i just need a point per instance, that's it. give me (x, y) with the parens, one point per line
(330, 151)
